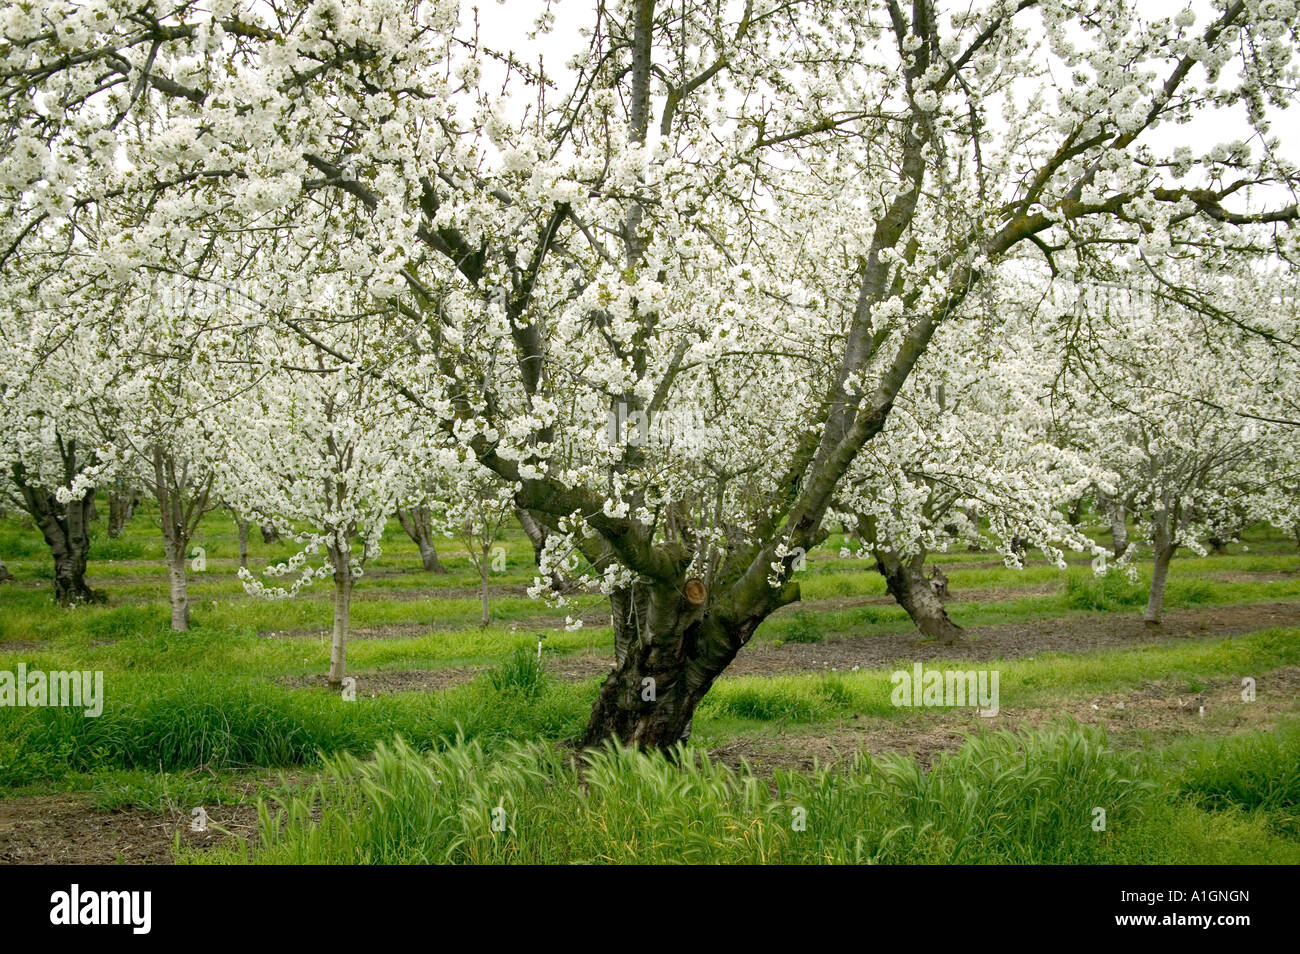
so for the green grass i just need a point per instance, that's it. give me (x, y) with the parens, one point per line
(1257, 773)
(1030, 798)
(202, 716)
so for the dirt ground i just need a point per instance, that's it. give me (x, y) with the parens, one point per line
(69, 830)
(1155, 709)
(1006, 641)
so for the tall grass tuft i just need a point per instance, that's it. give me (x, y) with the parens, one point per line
(1018, 798)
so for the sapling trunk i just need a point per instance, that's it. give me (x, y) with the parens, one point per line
(177, 585)
(484, 555)
(1164, 553)
(1118, 530)
(342, 613)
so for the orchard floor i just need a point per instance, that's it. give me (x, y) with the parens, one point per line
(812, 688)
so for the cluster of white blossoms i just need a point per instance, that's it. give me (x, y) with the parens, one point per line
(813, 251)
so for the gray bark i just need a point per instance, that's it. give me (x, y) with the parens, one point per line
(1163, 548)
(1119, 539)
(66, 529)
(418, 524)
(342, 621)
(121, 508)
(908, 585)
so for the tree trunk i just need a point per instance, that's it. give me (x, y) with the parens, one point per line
(270, 534)
(342, 618)
(243, 542)
(535, 532)
(121, 508)
(65, 528)
(418, 524)
(177, 584)
(1163, 547)
(483, 585)
(168, 490)
(1118, 529)
(908, 585)
(1075, 514)
(1164, 553)
(537, 535)
(668, 653)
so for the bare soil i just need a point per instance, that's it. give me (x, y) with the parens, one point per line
(1159, 709)
(69, 830)
(1006, 641)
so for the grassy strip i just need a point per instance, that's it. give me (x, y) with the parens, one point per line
(1029, 798)
(169, 721)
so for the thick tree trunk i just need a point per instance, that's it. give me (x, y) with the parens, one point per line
(907, 584)
(66, 530)
(243, 542)
(342, 618)
(667, 655)
(121, 508)
(429, 557)
(418, 524)
(270, 534)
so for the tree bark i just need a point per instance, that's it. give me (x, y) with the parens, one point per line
(908, 585)
(418, 524)
(270, 534)
(667, 655)
(1075, 513)
(178, 587)
(484, 555)
(243, 542)
(121, 508)
(1118, 529)
(180, 506)
(66, 530)
(342, 620)
(1163, 547)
